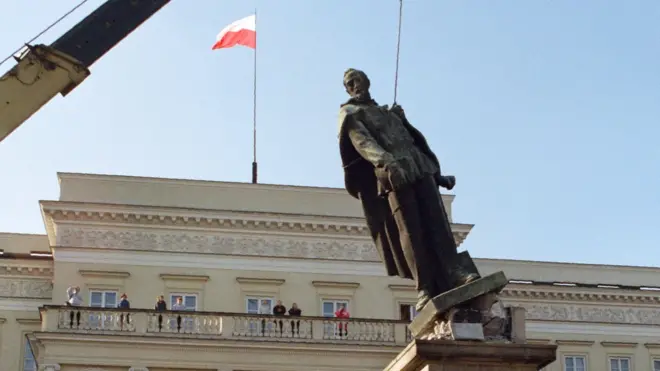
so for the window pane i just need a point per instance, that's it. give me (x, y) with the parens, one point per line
(96, 299)
(173, 299)
(624, 364)
(328, 309)
(569, 365)
(252, 306)
(190, 302)
(29, 364)
(580, 364)
(110, 299)
(614, 364)
(656, 365)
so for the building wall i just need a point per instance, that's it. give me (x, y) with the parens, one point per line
(226, 242)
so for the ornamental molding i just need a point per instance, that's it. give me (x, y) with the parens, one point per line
(114, 216)
(184, 277)
(260, 281)
(618, 344)
(25, 271)
(601, 314)
(618, 296)
(26, 288)
(201, 242)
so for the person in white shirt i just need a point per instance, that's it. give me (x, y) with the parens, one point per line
(73, 297)
(179, 304)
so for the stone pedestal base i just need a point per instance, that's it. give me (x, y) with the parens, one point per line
(446, 355)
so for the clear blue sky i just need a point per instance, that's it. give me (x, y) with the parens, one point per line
(548, 112)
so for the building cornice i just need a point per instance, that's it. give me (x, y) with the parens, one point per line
(618, 344)
(184, 277)
(260, 281)
(576, 294)
(336, 284)
(103, 274)
(110, 215)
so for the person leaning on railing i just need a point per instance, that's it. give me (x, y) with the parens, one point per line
(279, 310)
(294, 311)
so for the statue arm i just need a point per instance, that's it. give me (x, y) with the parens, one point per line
(366, 145)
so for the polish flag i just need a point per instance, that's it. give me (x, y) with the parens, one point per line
(242, 32)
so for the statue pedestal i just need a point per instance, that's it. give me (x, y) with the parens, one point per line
(448, 355)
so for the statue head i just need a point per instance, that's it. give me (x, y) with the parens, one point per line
(356, 83)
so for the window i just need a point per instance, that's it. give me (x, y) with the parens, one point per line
(189, 301)
(329, 307)
(103, 299)
(255, 305)
(656, 365)
(575, 363)
(619, 364)
(407, 312)
(29, 363)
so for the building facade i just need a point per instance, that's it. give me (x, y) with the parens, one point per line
(230, 251)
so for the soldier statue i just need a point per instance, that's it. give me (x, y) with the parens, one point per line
(390, 168)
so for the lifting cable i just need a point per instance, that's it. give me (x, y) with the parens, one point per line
(398, 48)
(45, 30)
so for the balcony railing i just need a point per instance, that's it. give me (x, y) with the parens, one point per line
(235, 326)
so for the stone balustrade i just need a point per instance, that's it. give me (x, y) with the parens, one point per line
(235, 326)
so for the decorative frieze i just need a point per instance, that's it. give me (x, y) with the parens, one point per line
(581, 295)
(29, 271)
(357, 249)
(26, 288)
(588, 313)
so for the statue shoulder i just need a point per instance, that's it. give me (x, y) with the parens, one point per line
(349, 109)
(346, 112)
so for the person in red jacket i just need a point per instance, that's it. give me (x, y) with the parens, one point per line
(342, 312)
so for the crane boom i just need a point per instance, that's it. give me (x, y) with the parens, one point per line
(44, 71)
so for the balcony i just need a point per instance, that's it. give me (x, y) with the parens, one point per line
(111, 337)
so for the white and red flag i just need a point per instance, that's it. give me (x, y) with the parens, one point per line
(242, 32)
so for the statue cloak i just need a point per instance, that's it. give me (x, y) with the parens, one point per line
(360, 182)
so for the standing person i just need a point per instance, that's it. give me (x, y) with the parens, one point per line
(178, 305)
(295, 325)
(161, 304)
(342, 312)
(73, 298)
(124, 303)
(264, 309)
(279, 310)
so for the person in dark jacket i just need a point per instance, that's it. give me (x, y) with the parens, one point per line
(279, 310)
(295, 325)
(124, 303)
(161, 304)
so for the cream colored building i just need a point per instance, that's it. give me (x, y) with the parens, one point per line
(231, 250)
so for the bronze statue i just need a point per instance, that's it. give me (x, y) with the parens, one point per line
(390, 168)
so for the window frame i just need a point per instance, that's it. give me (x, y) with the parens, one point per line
(412, 311)
(183, 295)
(572, 355)
(103, 293)
(334, 306)
(619, 358)
(259, 299)
(653, 364)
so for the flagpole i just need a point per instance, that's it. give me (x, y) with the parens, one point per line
(254, 109)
